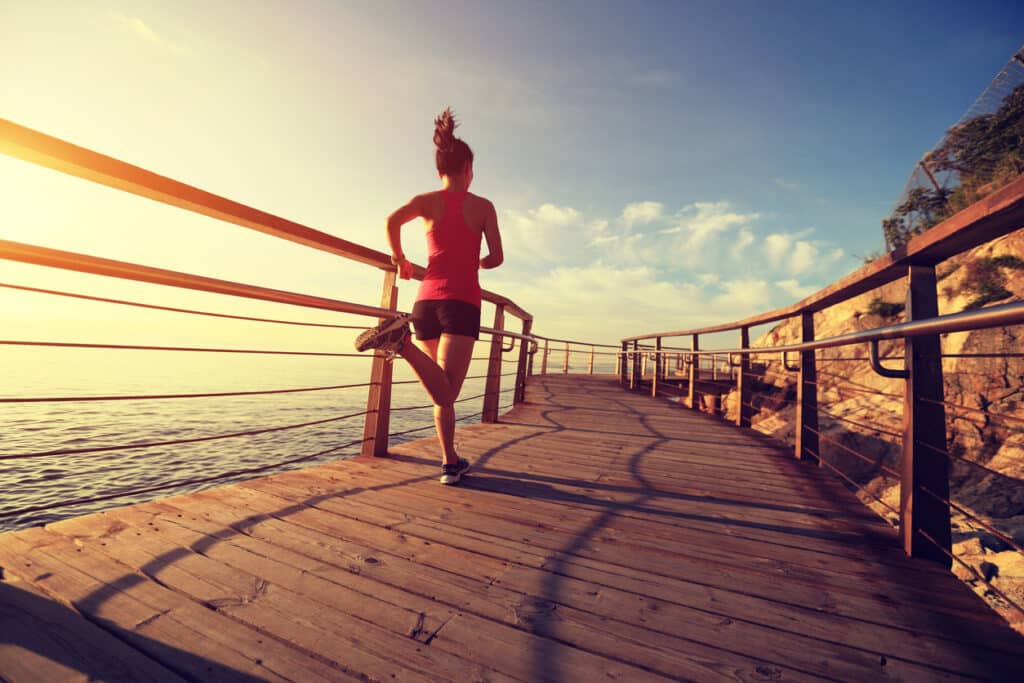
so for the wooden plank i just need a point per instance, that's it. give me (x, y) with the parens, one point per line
(368, 635)
(181, 635)
(47, 641)
(931, 654)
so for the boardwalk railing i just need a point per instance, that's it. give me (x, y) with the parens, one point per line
(924, 467)
(44, 150)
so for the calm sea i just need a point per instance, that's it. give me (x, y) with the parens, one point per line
(53, 483)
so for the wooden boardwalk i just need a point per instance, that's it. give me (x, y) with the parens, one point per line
(602, 535)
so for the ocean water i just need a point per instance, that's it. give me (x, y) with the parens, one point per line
(35, 474)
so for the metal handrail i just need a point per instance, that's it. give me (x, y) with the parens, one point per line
(997, 215)
(45, 150)
(67, 260)
(983, 318)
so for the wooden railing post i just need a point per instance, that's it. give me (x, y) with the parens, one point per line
(635, 368)
(743, 378)
(544, 359)
(590, 365)
(657, 365)
(620, 364)
(565, 365)
(378, 398)
(493, 384)
(925, 462)
(694, 373)
(807, 396)
(525, 365)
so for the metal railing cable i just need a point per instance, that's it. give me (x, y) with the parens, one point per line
(924, 534)
(191, 349)
(854, 452)
(155, 397)
(175, 442)
(847, 420)
(858, 487)
(173, 309)
(974, 519)
(1016, 421)
(177, 484)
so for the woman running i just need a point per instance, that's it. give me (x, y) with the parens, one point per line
(446, 315)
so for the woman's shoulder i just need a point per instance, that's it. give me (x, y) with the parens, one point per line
(481, 201)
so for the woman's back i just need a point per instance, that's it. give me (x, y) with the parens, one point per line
(455, 224)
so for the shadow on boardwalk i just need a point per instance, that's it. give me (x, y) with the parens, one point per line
(601, 534)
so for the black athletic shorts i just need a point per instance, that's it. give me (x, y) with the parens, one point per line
(433, 317)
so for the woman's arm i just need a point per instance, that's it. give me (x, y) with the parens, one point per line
(410, 211)
(495, 255)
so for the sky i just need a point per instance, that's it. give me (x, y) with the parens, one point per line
(655, 165)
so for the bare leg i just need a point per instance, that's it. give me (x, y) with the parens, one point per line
(454, 354)
(443, 381)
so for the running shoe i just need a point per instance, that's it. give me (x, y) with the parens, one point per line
(451, 474)
(389, 336)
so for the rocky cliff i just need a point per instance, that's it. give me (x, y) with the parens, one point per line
(861, 413)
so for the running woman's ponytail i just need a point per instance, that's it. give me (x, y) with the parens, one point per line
(452, 153)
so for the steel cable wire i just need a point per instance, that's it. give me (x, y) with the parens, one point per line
(856, 386)
(971, 569)
(887, 470)
(957, 406)
(152, 397)
(975, 519)
(254, 432)
(187, 482)
(172, 309)
(958, 458)
(857, 486)
(431, 426)
(860, 424)
(132, 347)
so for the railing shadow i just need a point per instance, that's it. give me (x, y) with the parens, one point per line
(65, 643)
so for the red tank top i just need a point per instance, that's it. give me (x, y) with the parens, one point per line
(453, 256)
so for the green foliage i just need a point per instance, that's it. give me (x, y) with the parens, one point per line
(884, 309)
(986, 152)
(921, 210)
(985, 278)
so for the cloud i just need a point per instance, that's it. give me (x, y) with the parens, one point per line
(790, 185)
(743, 240)
(788, 252)
(794, 289)
(639, 213)
(140, 29)
(588, 277)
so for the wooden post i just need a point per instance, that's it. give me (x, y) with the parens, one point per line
(590, 365)
(657, 365)
(544, 359)
(714, 368)
(565, 365)
(525, 365)
(925, 463)
(807, 396)
(378, 398)
(620, 364)
(694, 373)
(493, 382)
(635, 368)
(743, 381)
